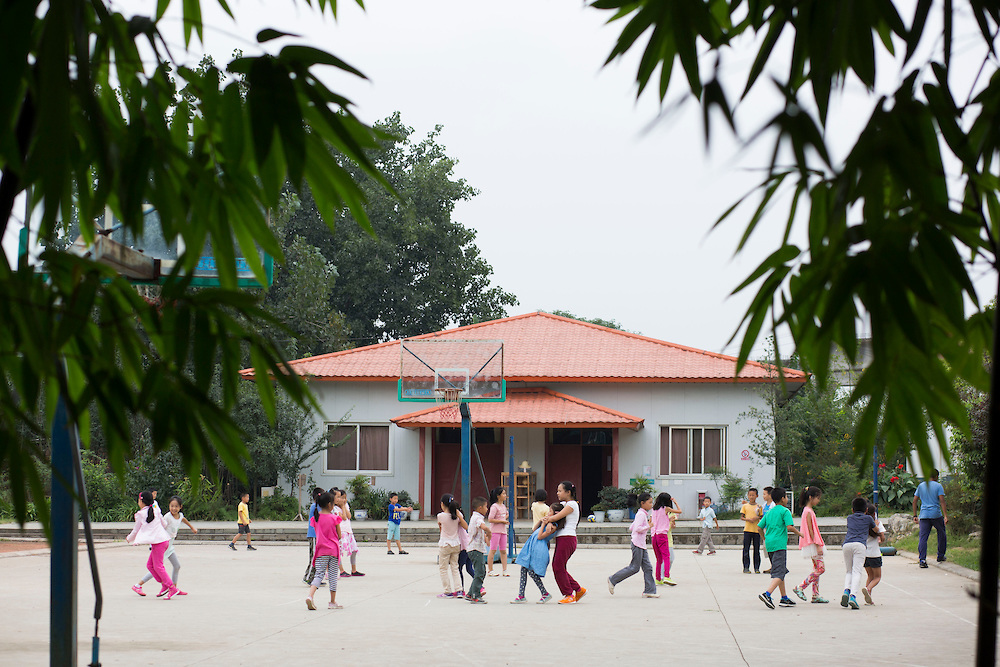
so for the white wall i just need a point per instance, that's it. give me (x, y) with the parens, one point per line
(659, 404)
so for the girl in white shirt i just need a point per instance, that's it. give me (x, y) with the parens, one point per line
(873, 556)
(174, 520)
(565, 539)
(348, 544)
(450, 522)
(151, 528)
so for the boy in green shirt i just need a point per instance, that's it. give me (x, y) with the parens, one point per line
(775, 524)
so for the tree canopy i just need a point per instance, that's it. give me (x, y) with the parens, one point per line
(417, 269)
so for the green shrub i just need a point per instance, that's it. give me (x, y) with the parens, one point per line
(377, 504)
(841, 484)
(612, 498)
(202, 501)
(964, 501)
(278, 507)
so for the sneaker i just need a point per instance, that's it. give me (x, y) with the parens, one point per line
(232, 546)
(799, 593)
(476, 600)
(818, 599)
(251, 548)
(669, 582)
(569, 599)
(545, 598)
(853, 603)
(357, 574)
(459, 594)
(756, 571)
(482, 592)
(580, 593)
(942, 559)
(766, 599)
(138, 590)
(923, 563)
(845, 598)
(492, 574)
(180, 592)
(711, 553)
(695, 551)
(650, 595)
(611, 586)
(163, 591)
(334, 605)
(518, 600)
(767, 571)
(403, 553)
(390, 552)
(345, 574)
(746, 570)
(786, 601)
(867, 594)
(172, 592)
(446, 595)
(310, 605)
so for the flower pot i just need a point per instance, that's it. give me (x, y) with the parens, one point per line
(598, 516)
(360, 515)
(616, 516)
(415, 515)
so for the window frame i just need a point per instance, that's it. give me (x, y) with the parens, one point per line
(670, 428)
(357, 470)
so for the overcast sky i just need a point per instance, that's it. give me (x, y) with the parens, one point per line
(586, 203)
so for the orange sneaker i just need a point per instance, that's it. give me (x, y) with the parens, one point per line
(580, 593)
(569, 599)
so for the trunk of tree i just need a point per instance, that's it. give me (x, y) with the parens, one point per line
(989, 558)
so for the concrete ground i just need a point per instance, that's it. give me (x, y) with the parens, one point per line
(247, 608)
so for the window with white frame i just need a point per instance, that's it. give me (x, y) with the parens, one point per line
(691, 450)
(357, 448)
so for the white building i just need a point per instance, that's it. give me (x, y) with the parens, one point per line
(585, 403)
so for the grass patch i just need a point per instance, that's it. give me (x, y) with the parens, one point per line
(962, 549)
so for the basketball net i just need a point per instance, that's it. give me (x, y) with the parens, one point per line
(450, 397)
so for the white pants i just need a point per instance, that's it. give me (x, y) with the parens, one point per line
(854, 562)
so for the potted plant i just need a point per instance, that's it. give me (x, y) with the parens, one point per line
(598, 511)
(360, 490)
(616, 500)
(415, 514)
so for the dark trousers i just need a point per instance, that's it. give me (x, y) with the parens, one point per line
(925, 532)
(748, 540)
(464, 563)
(640, 561)
(478, 559)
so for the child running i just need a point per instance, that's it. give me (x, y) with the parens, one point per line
(174, 520)
(663, 511)
(534, 557)
(151, 528)
(776, 524)
(873, 556)
(498, 527)
(310, 572)
(348, 545)
(640, 557)
(811, 543)
(566, 543)
(327, 555)
(450, 521)
(859, 526)
(479, 533)
(539, 508)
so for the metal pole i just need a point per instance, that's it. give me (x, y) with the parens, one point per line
(511, 505)
(466, 459)
(875, 481)
(62, 591)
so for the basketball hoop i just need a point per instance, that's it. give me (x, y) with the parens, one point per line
(450, 397)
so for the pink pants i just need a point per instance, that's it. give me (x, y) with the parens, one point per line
(661, 548)
(155, 564)
(565, 547)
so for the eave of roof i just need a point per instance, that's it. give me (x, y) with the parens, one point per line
(531, 407)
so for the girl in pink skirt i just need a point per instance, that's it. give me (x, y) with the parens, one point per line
(348, 545)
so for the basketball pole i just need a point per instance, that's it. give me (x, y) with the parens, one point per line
(511, 503)
(463, 408)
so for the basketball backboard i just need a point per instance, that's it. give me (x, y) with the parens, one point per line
(430, 367)
(124, 251)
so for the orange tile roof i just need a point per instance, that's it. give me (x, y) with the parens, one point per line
(536, 407)
(541, 347)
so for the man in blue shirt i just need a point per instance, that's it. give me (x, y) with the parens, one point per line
(932, 515)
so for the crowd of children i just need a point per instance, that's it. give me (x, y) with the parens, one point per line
(471, 545)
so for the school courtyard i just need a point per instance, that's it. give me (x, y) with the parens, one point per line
(247, 608)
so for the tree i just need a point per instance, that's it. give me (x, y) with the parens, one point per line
(894, 228)
(91, 117)
(419, 270)
(611, 324)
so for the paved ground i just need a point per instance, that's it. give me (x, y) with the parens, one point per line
(247, 608)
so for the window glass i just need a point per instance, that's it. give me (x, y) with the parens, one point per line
(664, 450)
(678, 451)
(713, 447)
(374, 454)
(344, 456)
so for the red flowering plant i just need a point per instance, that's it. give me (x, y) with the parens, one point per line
(896, 491)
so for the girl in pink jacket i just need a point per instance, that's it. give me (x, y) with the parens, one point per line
(811, 544)
(151, 528)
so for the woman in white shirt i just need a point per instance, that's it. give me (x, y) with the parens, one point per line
(151, 528)
(565, 540)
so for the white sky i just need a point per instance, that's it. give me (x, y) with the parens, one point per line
(585, 204)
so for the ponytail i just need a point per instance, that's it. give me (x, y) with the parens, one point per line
(453, 508)
(147, 499)
(570, 488)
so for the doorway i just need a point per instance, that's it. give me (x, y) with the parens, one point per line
(582, 456)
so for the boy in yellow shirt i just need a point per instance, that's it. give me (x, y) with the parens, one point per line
(242, 522)
(751, 513)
